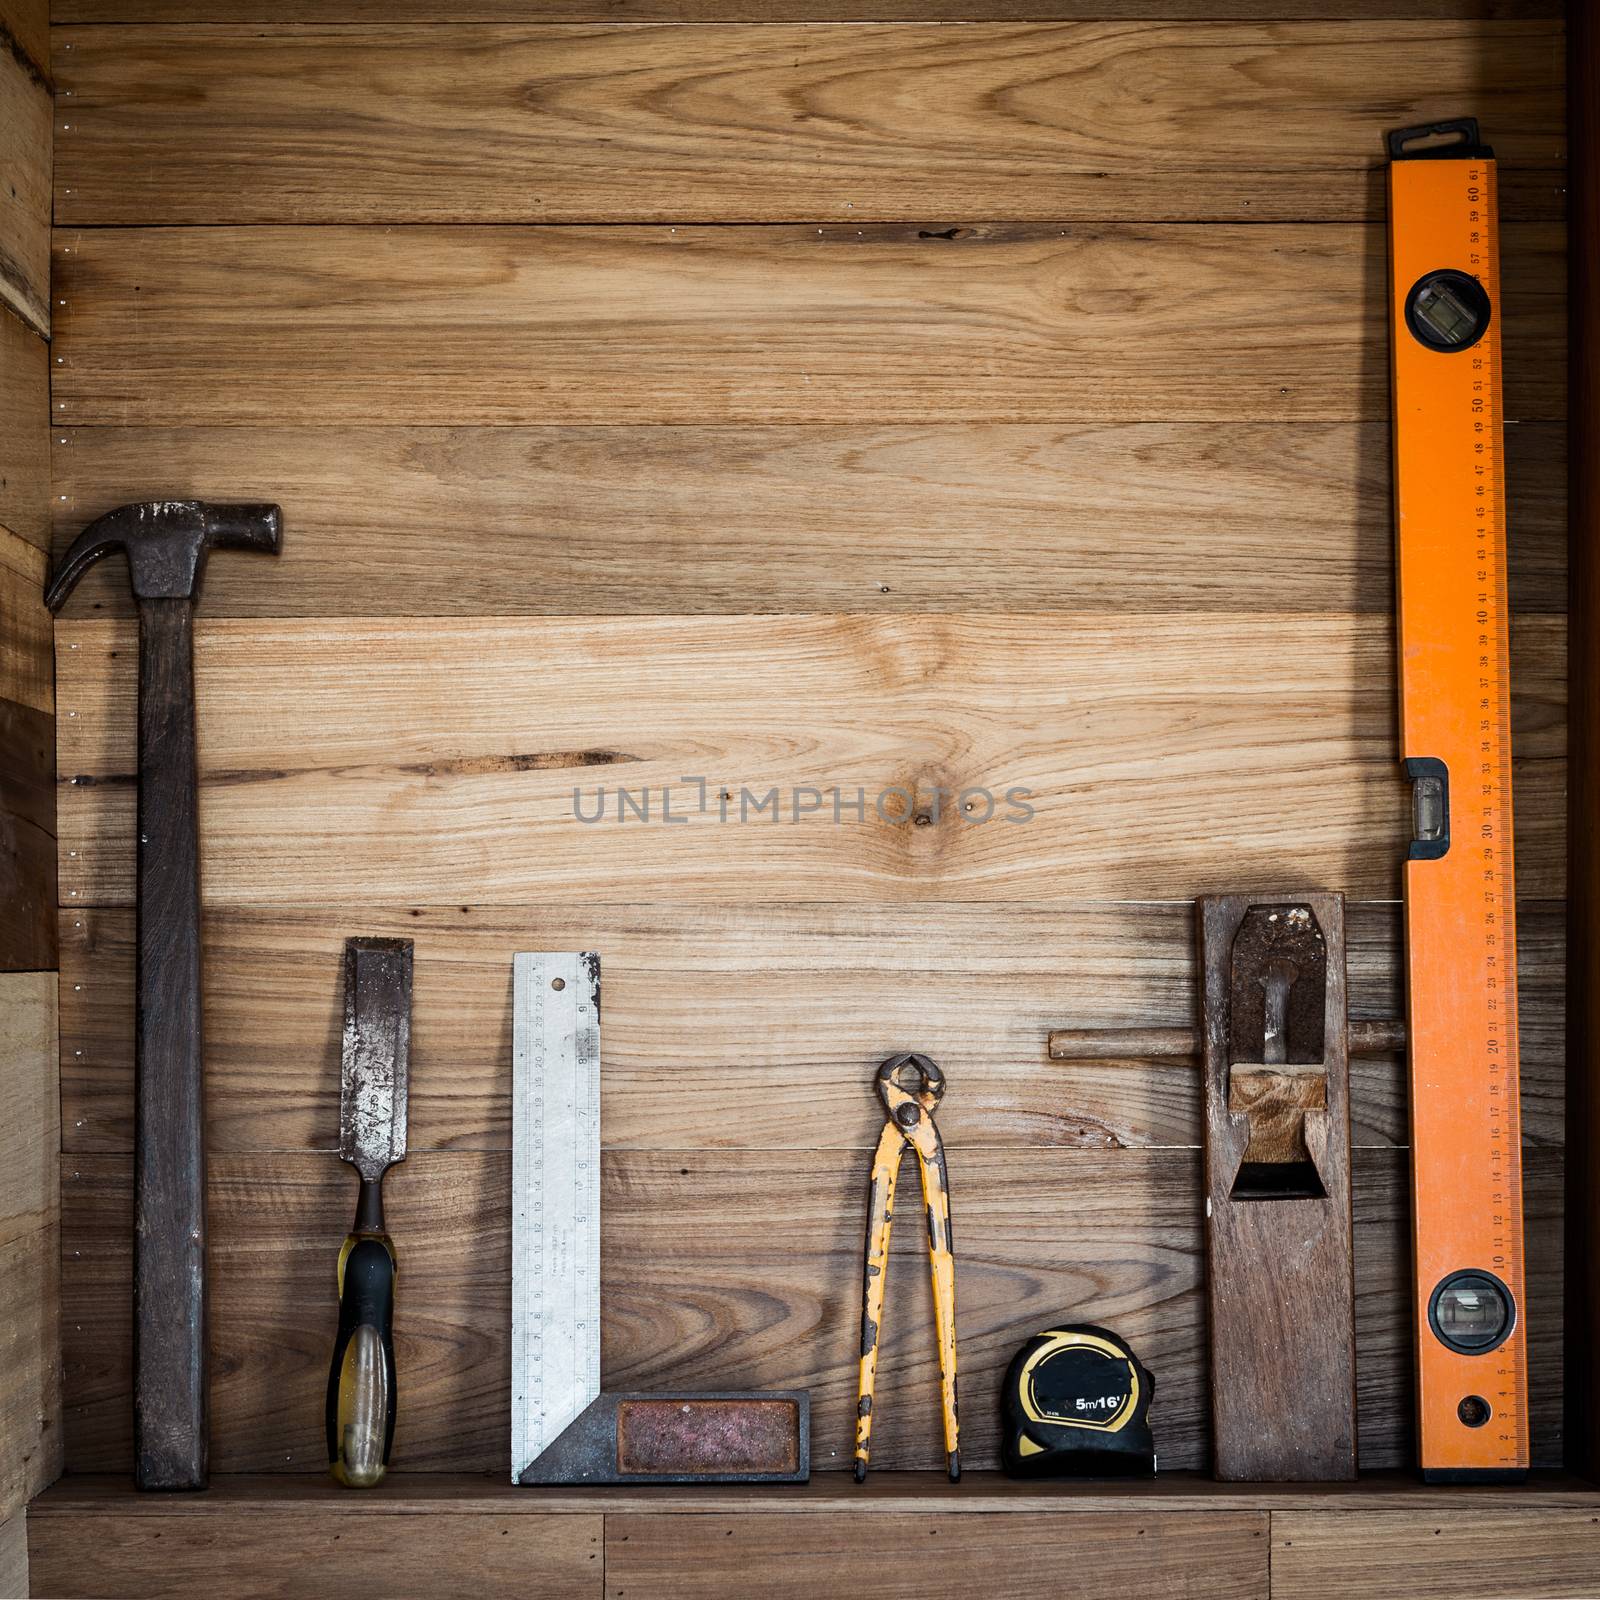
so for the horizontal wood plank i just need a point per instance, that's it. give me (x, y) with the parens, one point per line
(24, 430)
(30, 1130)
(802, 999)
(954, 321)
(27, 838)
(31, 1431)
(983, 517)
(14, 1554)
(431, 761)
(30, 1241)
(740, 1270)
(26, 114)
(874, 123)
(283, 1554)
(327, 11)
(1206, 1556)
(1552, 1555)
(27, 651)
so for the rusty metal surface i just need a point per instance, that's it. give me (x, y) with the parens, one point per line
(377, 1054)
(1277, 986)
(754, 1436)
(699, 1436)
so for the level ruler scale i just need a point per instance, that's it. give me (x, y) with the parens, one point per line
(1455, 712)
(555, 1192)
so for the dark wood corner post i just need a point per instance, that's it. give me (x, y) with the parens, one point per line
(1583, 671)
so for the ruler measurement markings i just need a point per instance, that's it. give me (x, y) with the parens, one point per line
(1465, 1069)
(556, 1131)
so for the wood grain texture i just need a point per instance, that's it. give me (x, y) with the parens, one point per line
(328, 11)
(433, 761)
(27, 838)
(27, 23)
(285, 1554)
(26, 113)
(876, 324)
(27, 643)
(30, 1245)
(710, 1280)
(804, 996)
(1220, 1556)
(14, 1556)
(24, 431)
(31, 1432)
(1550, 1555)
(990, 517)
(30, 1130)
(31, 1436)
(874, 123)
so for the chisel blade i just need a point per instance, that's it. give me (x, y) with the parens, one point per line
(377, 1053)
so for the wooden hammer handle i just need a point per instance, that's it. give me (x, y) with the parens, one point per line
(169, 1322)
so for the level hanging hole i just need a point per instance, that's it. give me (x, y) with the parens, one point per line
(1455, 139)
(1474, 1410)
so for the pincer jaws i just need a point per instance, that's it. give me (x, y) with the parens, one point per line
(911, 1087)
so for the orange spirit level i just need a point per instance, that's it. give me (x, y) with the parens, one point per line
(1455, 717)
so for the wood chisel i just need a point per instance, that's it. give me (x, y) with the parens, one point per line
(1455, 715)
(372, 1137)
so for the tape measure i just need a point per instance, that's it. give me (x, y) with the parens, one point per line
(1076, 1404)
(1455, 714)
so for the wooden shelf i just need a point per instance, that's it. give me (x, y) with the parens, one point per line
(428, 1534)
(828, 1493)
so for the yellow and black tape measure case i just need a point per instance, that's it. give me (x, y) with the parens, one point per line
(1076, 1404)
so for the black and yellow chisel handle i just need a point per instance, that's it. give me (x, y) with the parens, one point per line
(361, 1382)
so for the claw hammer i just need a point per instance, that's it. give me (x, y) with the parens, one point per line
(166, 544)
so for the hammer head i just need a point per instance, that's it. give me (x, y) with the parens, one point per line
(166, 543)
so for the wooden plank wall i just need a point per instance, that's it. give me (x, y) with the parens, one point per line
(887, 406)
(30, 1360)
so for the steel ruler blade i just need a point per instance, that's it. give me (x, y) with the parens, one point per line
(555, 1197)
(1455, 712)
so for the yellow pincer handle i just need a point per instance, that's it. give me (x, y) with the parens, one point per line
(880, 1217)
(361, 1383)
